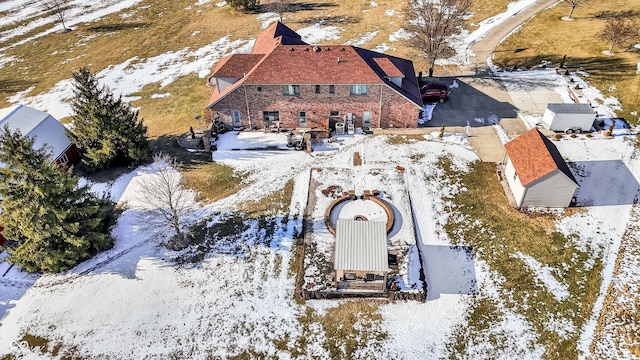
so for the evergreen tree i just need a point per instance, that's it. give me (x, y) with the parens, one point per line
(53, 223)
(105, 128)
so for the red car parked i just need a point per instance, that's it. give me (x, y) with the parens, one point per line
(434, 92)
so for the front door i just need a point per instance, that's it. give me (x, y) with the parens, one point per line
(366, 119)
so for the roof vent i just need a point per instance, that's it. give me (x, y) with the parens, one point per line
(341, 49)
(338, 59)
(316, 49)
(292, 49)
(306, 49)
(328, 49)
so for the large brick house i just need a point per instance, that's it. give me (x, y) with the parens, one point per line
(297, 85)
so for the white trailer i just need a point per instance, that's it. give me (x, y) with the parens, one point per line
(569, 118)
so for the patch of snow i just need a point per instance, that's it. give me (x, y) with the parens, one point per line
(160, 96)
(134, 74)
(390, 12)
(382, 48)
(267, 18)
(316, 34)
(79, 11)
(544, 274)
(363, 39)
(400, 34)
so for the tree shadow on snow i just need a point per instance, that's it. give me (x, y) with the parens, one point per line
(604, 183)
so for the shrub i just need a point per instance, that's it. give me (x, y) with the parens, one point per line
(246, 6)
(558, 136)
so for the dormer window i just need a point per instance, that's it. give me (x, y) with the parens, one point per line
(291, 90)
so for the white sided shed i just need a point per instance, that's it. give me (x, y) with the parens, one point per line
(537, 174)
(37, 124)
(361, 258)
(569, 117)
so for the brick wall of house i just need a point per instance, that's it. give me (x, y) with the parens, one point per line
(394, 110)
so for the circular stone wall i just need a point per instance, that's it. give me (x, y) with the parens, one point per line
(367, 208)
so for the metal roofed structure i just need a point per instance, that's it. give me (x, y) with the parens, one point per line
(46, 130)
(361, 258)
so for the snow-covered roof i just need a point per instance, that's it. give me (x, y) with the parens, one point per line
(31, 122)
(361, 246)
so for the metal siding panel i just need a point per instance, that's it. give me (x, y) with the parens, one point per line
(555, 191)
(361, 245)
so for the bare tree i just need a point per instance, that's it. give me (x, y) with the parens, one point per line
(59, 9)
(165, 195)
(280, 7)
(432, 22)
(618, 32)
(574, 4)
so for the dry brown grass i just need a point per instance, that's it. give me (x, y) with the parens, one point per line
(157, 27)
(546, 37)
(497, 232)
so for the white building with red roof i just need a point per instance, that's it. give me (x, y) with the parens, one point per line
(298, 85)
(537, 174)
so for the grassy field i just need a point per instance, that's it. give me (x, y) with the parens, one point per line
(547, 37)
(498, 233)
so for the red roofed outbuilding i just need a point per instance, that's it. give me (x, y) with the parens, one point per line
(536, 172)
(301, 85)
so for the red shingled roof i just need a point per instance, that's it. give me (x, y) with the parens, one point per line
(387, 66)
(334, 64)
(274, 35)
(236, 65)
(289, 60)
(534, 156)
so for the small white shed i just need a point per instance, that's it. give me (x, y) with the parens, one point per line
(537, 174)
(569, 117)
(44, 128)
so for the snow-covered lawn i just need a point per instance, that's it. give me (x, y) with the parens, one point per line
(138, 301)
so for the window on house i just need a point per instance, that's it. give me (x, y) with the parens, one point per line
(317, 89)
(358, 89)
(332, 89)
(236, 121)
(515, 176)
(302, 118)
(63, 159)
(291, 90)
(334, 113)
(269, 116)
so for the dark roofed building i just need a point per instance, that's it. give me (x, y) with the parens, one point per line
(301, 85)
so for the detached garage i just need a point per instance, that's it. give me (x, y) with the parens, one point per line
(536, 173)
(569, 118)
